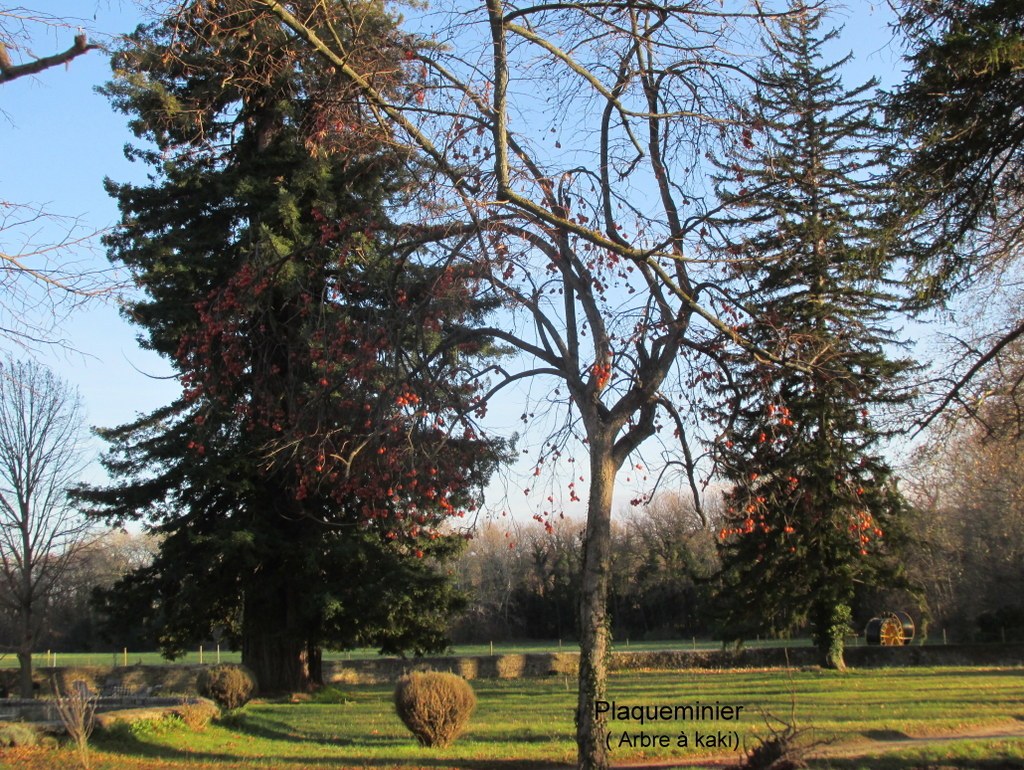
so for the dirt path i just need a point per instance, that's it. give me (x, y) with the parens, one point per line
(868, 745)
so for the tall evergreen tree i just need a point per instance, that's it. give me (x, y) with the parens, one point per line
(812, 507)
(962, 109)
(302, 481)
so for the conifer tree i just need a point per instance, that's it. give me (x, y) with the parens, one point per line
(302, 481)
(812, 508)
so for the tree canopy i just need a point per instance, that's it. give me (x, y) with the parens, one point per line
(302, 482)
(813, 508)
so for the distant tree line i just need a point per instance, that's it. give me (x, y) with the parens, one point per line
(522, 582)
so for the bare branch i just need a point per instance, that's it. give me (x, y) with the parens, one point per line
(10, 71)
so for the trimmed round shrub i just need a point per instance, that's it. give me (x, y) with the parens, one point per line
(230, 687)
(434, 706)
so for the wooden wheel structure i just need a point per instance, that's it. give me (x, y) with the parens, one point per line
(890, 629)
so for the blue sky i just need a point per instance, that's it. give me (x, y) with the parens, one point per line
(59, 139)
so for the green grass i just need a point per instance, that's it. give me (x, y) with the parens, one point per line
(527, 723)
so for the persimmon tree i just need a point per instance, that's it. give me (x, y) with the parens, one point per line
(302, 482)
(564, 145)
(811, 493)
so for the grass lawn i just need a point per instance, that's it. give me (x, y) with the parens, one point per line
(528, 723)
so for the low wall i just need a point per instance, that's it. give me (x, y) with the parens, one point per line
(181, 679)
(168, 679)
(470, 667)
(564, 663)
(40, 710)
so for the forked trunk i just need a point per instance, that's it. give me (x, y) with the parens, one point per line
(591, 728)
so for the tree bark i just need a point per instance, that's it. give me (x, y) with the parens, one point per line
(273, 647)
(10, 71)
(25, 653)
(591, 728)
(25, 675)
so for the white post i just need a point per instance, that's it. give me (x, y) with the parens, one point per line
(125, 657)
(200, 655)
(218, 654)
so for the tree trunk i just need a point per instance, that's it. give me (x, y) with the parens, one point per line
(314, 659)
(273, 646)
(830, 621)
(591, 728)
(25, 654)
(25, 677)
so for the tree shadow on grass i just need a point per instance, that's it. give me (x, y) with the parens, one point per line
(895, 762)
(885, 735)
(122, 741)
(138, 748)
(267, 728)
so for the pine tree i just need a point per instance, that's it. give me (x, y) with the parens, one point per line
(961, 109)
(302, 482)
(812, 507)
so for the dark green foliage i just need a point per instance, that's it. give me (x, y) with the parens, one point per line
(435, 706)
(962, 112)
(324, 434)
(812, 508)
(1005, 624)
(230, 687)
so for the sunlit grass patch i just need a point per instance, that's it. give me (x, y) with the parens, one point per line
(527, 724)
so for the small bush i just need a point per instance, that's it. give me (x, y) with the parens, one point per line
(14, 734)
(230, 687)
(196, 715)
(330, 694)
(434, 706)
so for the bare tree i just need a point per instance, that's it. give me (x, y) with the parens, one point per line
(40, 531)
(566, 143)
(43, 254)
(44, 275)
(561, 149)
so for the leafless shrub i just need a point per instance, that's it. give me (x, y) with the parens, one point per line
(76, 706)
(434, 706)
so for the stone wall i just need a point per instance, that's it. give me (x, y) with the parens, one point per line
(180, 679)
(563, 663)
(165, 679)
